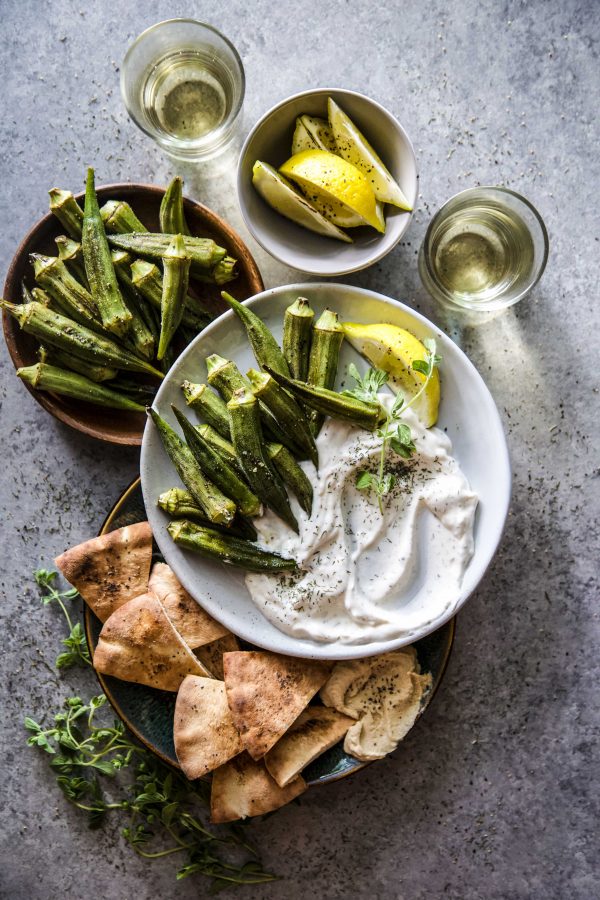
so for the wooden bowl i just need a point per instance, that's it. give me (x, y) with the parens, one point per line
(113, 425)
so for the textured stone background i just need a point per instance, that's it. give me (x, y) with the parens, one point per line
(495, 792)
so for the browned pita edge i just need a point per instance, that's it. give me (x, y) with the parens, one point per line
(203, 730)
(316, 729)
(211, 655)
(243, 787)
(138, 643)
(192, 622)
(266, 692)
(110, 570)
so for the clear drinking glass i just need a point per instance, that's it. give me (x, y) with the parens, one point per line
(485, 249)
(183, 84)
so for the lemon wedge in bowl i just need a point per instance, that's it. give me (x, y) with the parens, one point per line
(394, 350)
(325, 177)
(354, 147)
(284, 198)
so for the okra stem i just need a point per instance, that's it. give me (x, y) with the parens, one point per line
(327, 339)
(171, 215)
(68, 212)
(230, 550)
(46, 377)
(176, 264)
(70, 252)
(119, 218)
(265, 347)
(297, 333)
(179, 504)
(209, 405)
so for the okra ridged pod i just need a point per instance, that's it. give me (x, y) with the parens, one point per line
(230, 550)
(56, 357)
(52, 328)
(68, 212)
(297, 335)
(71, 297)
(122, 262)
(98, 265)
(222, 273)
(39, 295)
(209, 405)
(204, 252)
(44, 377)
(179, 504)
(218, 470)
(147, 279)
(265, 347)
(70, 252)
(327, 337)
(292, 475)
(176, 263)
(222, 446)
(119, 218)
(330, 403)
(247, 439)
(171, 215)
(217, 507)
(288, 413)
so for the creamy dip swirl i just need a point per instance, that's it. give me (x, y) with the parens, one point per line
(365, 576)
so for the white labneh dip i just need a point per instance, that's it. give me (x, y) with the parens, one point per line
(365, 576)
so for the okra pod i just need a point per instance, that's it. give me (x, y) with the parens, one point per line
(222, 273)
(52, 328)
(221, 445)
(122, 262)
(70, 296)
(217, 469)
(292, 475)
(217, 507)
(61, 360)
(179, 504)
(26, 294)
(45, 377)
(209, 405)
(247, 439)
(68, 212)
(204, 252)
(147, 279)
(142, 393)
(265, 347)
(327, 339)
(365, 413)
(98, 265)
(119, 218)
(297, 334)
(39, 295)
(72, 255)
(176, 278)
(171, 215)
(230, 550)
(286, 410)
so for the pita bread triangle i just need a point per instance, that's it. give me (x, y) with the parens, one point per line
(203, 730)
(110, 570)
(316, 729)
(266, 692)
(138, 643)
(194, 625)
(243, 787)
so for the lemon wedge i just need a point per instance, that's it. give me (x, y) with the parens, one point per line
(320, 133)
(284, 198)
(355, 148)
(302, 139)
(325, 177)
(394, 350)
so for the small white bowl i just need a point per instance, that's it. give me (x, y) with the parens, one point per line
(271, 140)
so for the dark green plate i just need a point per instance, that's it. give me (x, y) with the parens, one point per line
(148, 713)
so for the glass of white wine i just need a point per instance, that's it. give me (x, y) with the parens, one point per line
(485, 249)
(183, 84)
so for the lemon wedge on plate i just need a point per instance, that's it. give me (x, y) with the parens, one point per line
(355, 148)
(284, 198)
(325, 177)
(394, 350)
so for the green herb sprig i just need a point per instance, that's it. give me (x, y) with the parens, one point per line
(77, 649)
(394, 433)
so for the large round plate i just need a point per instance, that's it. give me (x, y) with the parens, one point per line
(148, 713)
(467, 413)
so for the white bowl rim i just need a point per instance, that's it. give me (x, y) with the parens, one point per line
(346, 651)
(347, 270)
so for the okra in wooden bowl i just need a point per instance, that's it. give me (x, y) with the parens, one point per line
(50, 273)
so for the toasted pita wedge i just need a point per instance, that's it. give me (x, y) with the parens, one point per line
(203, 730)
(138, 643)
(266, 692)
(110, 570)
(243, 788)
(316, 729)
(194, 625)
(211, 655)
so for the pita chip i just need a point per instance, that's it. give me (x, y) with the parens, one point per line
(316, 729)
(138, 643)
(243, 787)
(203, 730)
(110, 570)
(211, 655)
(194, 625)
(266, 692)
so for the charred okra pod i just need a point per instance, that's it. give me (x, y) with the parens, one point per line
(119, 218)
(38, 295)
(247, 439)
(265, 347)
(204, 252)
(208, 405)
(217, 507)
(171, 215)
(44, 377)
(70, 296)
(98, 265)
(297, 334)
(175, 285)
(179, 504)
(72, 255)
(68, 212)
(230, 550)
(288, 413)
(61, 360)
(122, 262)
(147, 279)
(292, 475)
(222, 446)
(327, 339)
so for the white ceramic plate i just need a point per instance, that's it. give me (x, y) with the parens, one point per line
(467, 413)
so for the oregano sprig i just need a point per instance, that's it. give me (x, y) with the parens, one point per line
(75, 642)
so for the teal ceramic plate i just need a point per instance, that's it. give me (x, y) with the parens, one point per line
(148, 713)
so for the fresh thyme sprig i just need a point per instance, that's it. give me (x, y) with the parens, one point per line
(394, 432)
(76, 644)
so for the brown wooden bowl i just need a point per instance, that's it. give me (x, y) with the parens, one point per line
(113, 425)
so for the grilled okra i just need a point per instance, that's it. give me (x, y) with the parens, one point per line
(204, 252)
(231, 550)
(44, 377)
(327, 337)
(265, 347)
(68, 212)
(56, 357)
(69, 294)
(286, 410)
(176, 264)
(292, 475)
(179, 504)
(297, 334)
(119, 218)
(209, 405)
(147, 279)
(171, 215)
(72, 255)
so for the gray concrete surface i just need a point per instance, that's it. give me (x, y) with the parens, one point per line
(495, 792)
